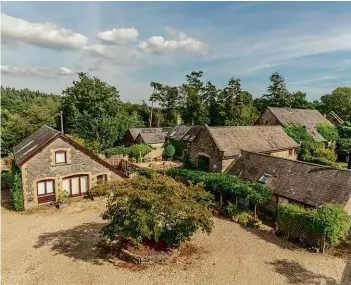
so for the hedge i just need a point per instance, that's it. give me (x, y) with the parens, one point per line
(17, 190)
(330, 220)
(222, 184)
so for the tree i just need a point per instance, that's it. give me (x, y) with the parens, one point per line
(338, 101)
(169, 150)
(278, 95)
(192, 93)
(344, 142)
(93, 110)
(156, 96)
(157, 208)
(211, 104)
(299, 100)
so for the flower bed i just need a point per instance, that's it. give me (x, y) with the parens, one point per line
(150, 252)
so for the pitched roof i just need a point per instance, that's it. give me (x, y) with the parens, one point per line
(192, 133)
(231, 140)
(308, 183)
(152, 138)
(305, 117)
(136, 131)
(178, 132)
(334, 118)
(37, 141)
(31, 144)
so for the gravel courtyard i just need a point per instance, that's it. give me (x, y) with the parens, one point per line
(50, 246)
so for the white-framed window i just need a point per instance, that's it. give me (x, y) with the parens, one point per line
(45, 187)
(60, 157)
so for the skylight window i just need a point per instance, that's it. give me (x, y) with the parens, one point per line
(172, 134)
(264, 178)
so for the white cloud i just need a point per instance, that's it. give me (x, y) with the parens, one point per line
(20, 70)
(42, 35)
(45, 72)
(179, 42)
(65, 71)
(115, 55)
(119, 36)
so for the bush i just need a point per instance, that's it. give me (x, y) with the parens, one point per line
(329, 220)
(225, 184)
(17, 188)
(158, 208)
(136, 151)
(146, 172)
(328, 131)
(169, 150)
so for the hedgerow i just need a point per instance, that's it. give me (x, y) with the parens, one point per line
(136, 151)
(329, 220)
(223, 184)
(17, 188)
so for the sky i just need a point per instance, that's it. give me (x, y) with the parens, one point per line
(129, 44)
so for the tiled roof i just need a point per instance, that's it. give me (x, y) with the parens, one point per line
(192, 133)
(305, 117)
(178, 132)
(308, 183)
(32, 143)
(136, 131)
(231, 140)
(152, 138)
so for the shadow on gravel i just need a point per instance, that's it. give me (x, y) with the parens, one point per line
(297, 274)
(81, 242)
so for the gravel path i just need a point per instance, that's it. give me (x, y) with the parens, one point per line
(50, 246)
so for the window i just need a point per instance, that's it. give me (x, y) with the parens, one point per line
(290, 152)
(101, 178)
(76, 185)
(60, 157)
(46, 188)
(264, 178)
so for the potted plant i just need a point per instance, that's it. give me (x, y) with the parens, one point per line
(243, 218)
(62, 199)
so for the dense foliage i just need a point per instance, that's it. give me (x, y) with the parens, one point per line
(156, 208)
(17, 188)
(93, 110)
(328, 131)
(344, 142)
(329, 220)
(221, 184)
(169, 150)
(136, 151)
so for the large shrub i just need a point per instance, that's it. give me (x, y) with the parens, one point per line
(17, 189)
(169, 150)
(158, 208)
(224, 184)
(329, 220)
(136, 151)
(328, 131)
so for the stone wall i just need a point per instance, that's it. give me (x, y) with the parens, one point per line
(203, 144)
(41, 167)
(285, 154)
(267, 118)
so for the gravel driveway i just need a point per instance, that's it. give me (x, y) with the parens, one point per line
(50, 246)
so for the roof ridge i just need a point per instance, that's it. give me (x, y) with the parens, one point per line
(296, 161)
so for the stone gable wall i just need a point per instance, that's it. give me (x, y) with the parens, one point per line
(41, 167)
(204, 144)
(267, 118)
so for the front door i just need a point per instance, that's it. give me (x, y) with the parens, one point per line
(76, 185)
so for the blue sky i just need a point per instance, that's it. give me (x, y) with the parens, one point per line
(130, 44)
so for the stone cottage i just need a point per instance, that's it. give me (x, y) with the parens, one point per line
(132, 133)
(180, 136)
(307, 184)
(51, 162)
(284, 116)
(155, 140)
(215, 148)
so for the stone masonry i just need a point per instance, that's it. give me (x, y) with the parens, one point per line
(42, 167)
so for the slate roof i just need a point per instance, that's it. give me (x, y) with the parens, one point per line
(136, 131)
(231, 140)
(153, 138)
(305, 117)
(192, 133)
(178, 132)
(32, 143)
(44, 136)
(308, 183)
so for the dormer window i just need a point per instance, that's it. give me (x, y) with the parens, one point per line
(264, 178)
(60, 157)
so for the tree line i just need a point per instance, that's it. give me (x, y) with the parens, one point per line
(94, 113)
